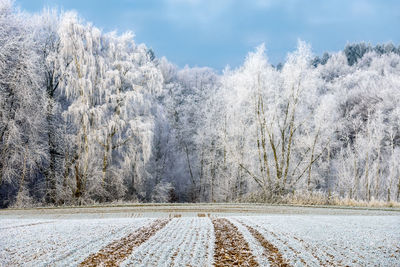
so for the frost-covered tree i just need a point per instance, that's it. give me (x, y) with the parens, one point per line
(79, 61)
(125, 123)
(48, 46)
(110, 83)
(276, 137)
(368, 129)
(92, 116)
(187, 91)
(22, 102)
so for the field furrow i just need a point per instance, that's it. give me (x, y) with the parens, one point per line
(270, 251)
(294, 250)
(255, 246)
(298, 252)
(24, 225)
(230, 246)
(117, 251)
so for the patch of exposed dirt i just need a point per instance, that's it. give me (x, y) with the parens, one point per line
(231, 249)
(117, 251)
(270, 251)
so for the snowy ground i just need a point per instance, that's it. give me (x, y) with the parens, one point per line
(199, 235)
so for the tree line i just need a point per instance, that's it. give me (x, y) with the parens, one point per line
(88, 116)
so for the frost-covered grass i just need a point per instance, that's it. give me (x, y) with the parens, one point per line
(312, 236)
(334, 240)
(186, 241)
(58, 242)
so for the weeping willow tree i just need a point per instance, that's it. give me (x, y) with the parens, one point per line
(110, 84)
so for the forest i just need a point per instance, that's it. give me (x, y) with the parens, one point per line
(92, 117)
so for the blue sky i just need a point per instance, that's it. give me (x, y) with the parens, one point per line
(217, 33)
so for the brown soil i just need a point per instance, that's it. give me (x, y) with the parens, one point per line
(270, 251)
(117, 251)
(231, 249)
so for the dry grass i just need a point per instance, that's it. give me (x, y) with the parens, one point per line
(320, 198)
(317, 198)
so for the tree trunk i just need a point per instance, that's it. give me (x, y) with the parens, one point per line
(79, 189)
(191, 173)
(22, 180)
(51, 172)
(398, 190)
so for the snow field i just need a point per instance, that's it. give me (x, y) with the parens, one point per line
(182, 242)
(61, 242)
(332, 240)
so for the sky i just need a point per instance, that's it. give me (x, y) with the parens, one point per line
(217, 33)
